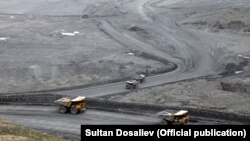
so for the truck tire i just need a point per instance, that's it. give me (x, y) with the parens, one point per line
(127, 86)
(83, 110)
(73, 110)
(63, 109)
(132, 87)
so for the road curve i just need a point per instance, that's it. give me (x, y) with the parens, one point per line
(168, 41)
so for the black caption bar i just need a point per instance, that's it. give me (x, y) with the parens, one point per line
(235, 132)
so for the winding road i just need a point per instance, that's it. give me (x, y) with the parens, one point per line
(158, 35)
(168, 42)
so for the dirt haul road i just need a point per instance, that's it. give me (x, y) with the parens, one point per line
(143, 27)
(151, 27)
(47, 119)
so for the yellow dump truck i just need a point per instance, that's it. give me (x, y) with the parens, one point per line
(74, 106)
(179, 118)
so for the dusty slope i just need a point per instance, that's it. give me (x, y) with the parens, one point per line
(197, 94)
(36, 55)
(226, 30)
(235, 18)
(48, 45)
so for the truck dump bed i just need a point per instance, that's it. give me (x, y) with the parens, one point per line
(67, 101)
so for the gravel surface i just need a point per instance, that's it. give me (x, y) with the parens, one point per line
(199, 93)
(47, 44)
